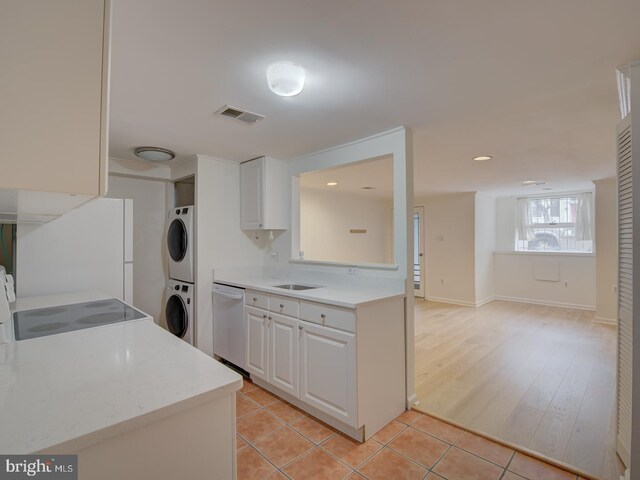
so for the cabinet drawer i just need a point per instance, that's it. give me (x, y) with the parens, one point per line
(255, 299)
(284, 306)
(336, 317)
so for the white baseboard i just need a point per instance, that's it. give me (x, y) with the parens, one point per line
(606, 321)
(545, 302)
(485, 301)
(452, 301)
(463, 303)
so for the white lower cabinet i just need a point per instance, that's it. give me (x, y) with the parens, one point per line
(328, 371)
(272, 348)
(283, 353)
(315, 364)
(344, 366)
(257, 331)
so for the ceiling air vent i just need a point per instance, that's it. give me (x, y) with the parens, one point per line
(238, 114)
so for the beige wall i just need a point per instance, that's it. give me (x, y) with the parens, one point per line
(514, 271)
(326, 218)
(485, 242)
(515, 279)
(149, 251)
(606, 249)
(449, 222)
(220, 241)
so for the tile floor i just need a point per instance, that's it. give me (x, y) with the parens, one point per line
(276, 441)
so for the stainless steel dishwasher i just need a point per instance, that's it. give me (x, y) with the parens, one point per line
(228, 324)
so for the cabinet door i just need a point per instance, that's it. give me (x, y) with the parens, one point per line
(257, 358)
(283, 353)
(53, 94)
(328, 371)
(251, 194)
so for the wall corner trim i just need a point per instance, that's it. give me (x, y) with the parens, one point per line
(606, 321)
(484, 301)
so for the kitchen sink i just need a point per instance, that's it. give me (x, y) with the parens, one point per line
(296, 286)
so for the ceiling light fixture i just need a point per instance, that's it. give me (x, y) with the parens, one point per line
(154, 154)
(529, 183)
(482, 158)
(285, 78)
(332, 184)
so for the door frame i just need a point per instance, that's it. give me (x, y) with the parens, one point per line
(419, 292)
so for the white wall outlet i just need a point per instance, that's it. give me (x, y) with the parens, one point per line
(442, 281)
(614, 289)
(566, 284)
(353, 271)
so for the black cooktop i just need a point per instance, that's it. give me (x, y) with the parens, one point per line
(68, 318)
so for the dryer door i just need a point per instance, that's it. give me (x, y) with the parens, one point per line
(177, 240)
(177, 316)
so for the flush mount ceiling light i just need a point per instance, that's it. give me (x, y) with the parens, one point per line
(285, 78)
(482, 158)
(154, 154)
(332, 184)
(529, 183)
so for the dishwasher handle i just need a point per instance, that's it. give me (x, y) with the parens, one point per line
(228, 295)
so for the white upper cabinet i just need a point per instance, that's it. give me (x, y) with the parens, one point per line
(54, 97)
(264, 194)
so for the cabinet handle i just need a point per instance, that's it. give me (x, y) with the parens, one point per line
(323, 316)
(264, 316)
(255, 299)
(282, 305)
(299, 327)
(270, 318)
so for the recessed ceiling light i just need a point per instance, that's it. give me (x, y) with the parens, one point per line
(528, 183)
(154, 154)
(285, 78)
(332, 184)
(482, 158)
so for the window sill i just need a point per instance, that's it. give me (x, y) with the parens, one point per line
(552, 254)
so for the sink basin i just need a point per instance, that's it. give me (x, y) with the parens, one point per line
(295, 286)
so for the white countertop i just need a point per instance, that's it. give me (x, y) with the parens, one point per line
(348, 296)
(75, 389)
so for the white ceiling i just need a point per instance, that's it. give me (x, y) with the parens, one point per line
(531, 82)
(352, 177)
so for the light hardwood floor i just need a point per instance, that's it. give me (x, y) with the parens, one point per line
(541, 377)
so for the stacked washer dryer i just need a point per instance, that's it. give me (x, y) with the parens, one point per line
(180, 287)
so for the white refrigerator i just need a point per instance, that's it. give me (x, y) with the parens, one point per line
(87, 249)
